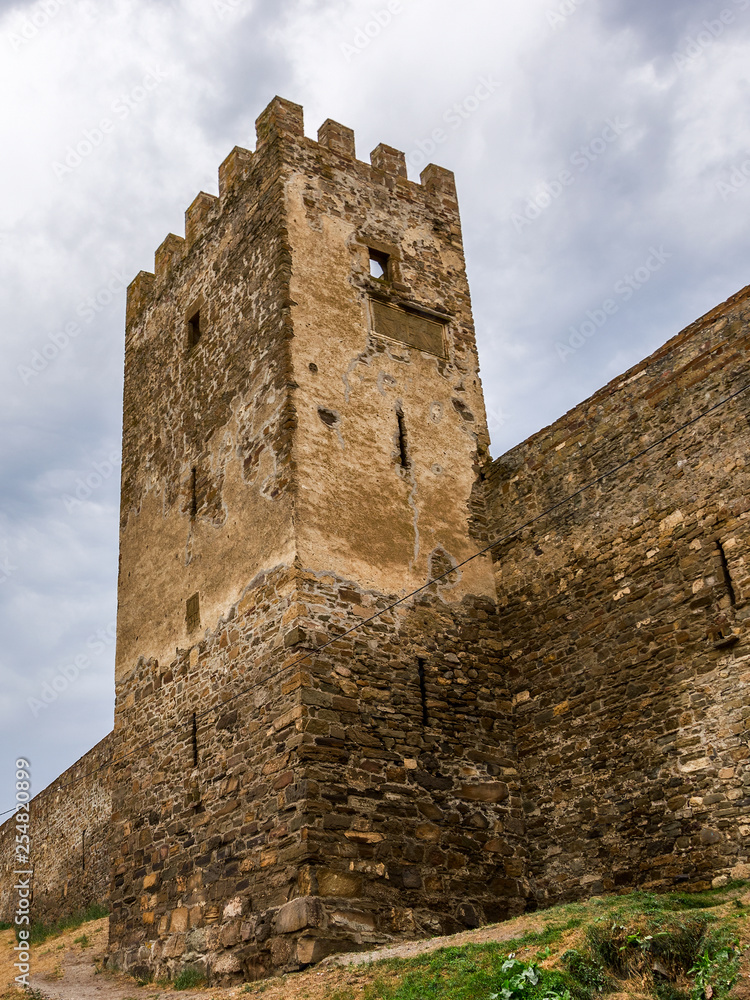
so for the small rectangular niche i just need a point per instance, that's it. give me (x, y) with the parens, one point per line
(194, 328)
(193, 613)
(423, 691)
(408, 328)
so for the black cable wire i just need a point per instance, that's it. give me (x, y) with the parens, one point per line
(483, 551)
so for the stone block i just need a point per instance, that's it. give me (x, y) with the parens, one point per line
(231, 933)
(338, 884)
(493, 791)
(355, 921)
(709, 837)
(179, 920)
(226, 964)
(311, 950)
(299, 914)
(174, 946)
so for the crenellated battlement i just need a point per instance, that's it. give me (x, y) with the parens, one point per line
(283, 121)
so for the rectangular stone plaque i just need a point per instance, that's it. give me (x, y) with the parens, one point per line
(408, 328)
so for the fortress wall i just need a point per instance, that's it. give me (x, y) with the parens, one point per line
(624, 622)
(414, 804)
(313, 809)
(70, 841)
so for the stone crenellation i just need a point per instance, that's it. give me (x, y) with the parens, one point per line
(307, 757)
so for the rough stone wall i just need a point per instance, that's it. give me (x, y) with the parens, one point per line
(70, 845)
(390, 438)
(623, 618)
(414, 802)
(303, 443)
(206, 485)
(279, 812)
(314, 810)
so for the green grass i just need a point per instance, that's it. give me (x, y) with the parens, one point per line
(40, 932)
(675, 946)
(187, 979)
(473, 972)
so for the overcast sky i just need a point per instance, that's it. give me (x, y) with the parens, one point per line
(599, 151)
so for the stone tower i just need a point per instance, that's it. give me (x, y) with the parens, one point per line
(304, 444)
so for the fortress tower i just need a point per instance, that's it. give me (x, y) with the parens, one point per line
(308, 757)
(304, 444)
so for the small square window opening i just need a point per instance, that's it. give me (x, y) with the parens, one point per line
(379, 265)
(194, 328)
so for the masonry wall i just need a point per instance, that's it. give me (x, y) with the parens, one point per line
(623, 618)
(206, 499)
(301, 463)
(70, 842)
(313, 809)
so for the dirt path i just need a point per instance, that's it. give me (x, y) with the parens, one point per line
(81, 981)
(496, 932)
(67, 968)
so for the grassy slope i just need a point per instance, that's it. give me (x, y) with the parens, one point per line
(671, 947)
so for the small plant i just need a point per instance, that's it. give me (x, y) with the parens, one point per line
(187, 979)
(714, 972)
(586, 971)
(518, 978)
(83, 940)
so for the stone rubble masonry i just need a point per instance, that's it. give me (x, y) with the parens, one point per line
(304, 444)
(70, 841)
(623, 619)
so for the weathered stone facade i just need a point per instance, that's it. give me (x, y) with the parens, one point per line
(70, 846)
(302, 763)
(301, 448)
(624, 622)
